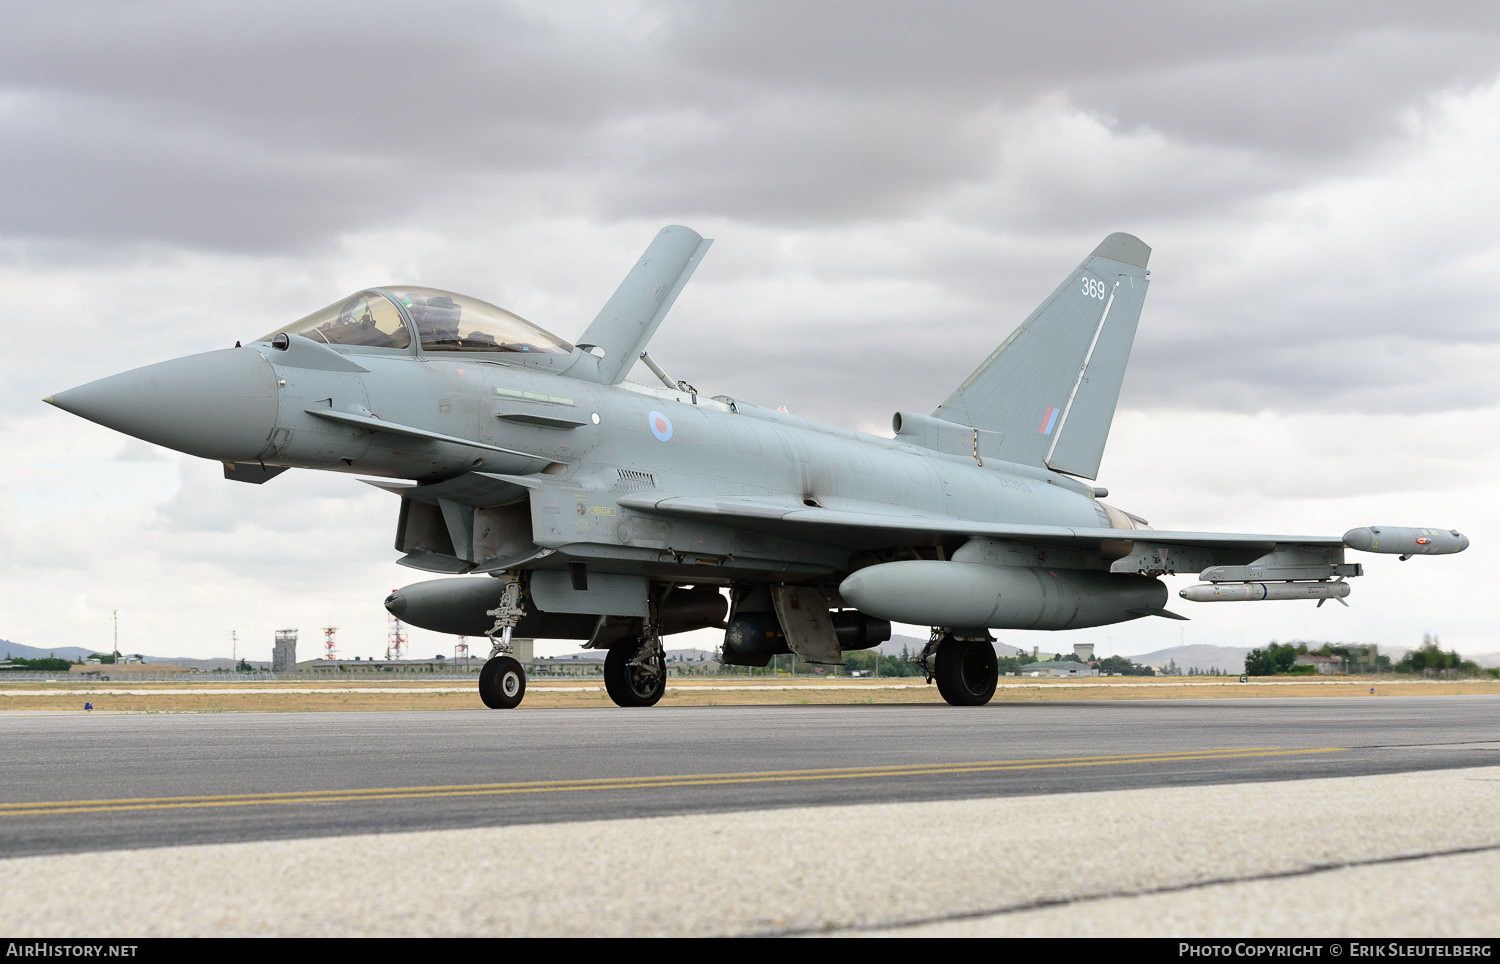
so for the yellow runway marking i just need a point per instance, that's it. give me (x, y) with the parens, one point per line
(629, 783)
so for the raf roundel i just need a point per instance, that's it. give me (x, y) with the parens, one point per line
(661, 426)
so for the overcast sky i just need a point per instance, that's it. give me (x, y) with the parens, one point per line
(892, 187)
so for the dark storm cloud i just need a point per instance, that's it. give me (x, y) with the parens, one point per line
(270, 127)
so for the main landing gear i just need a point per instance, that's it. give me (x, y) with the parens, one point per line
(635, 671)
(966, 670)
(502, 683)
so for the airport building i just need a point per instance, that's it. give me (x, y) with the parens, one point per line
(372, 667)
(1323, 665)
(1059, 668)
(588, 662)
(284, 653)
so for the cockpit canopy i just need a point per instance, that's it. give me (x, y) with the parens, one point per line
(442, 320)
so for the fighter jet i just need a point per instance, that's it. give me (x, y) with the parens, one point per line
(566, 502)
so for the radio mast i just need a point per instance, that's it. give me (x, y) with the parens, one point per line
(395, 640)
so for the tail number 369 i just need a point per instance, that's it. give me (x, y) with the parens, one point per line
(1093, 289)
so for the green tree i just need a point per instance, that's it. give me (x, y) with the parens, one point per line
(1259, 662)
(50, 664)
(1274, 658)
(1430, 656)
(1123, 666)
(1009, 664)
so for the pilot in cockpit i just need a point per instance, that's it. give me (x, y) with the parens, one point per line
(437, 320)
(357, 324)
(358, 313)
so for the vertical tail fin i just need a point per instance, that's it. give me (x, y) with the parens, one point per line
(1051, 387)
(631, 315)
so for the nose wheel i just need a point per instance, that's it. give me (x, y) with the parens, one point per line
(502, 683)
(635, 672)
(966, 671)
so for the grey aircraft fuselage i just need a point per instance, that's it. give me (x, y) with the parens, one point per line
(594, 444)
(706, 447)
(518, 455)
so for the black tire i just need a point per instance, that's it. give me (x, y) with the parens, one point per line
(502, 683)
(630, 686)
(966, 671)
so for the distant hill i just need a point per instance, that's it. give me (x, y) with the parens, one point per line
(894, 645)
(1229, 659)
(18, 651)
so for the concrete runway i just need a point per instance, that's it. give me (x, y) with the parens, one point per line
(72, 783)
(1318, 817)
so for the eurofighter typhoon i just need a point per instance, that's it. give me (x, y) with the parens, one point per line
(570, 503)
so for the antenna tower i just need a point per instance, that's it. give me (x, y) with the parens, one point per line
(461, 652)
(395, 640)
(330, 651)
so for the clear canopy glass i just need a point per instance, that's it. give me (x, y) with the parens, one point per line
(445, 322)
(368, 318)
(452, 322)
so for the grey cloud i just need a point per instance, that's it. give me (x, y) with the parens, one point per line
(1278, 76)
(273, 127)
(277, 130)
(1277, 371)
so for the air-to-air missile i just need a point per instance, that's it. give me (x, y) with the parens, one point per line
(572, 503)
(1257, 591)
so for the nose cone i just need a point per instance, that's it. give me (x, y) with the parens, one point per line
(217, 405)
(395, 604)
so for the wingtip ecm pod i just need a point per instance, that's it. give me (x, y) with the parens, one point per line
(1051, 388)
(1406, 541)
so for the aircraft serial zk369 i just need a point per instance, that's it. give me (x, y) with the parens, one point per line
(596, 509)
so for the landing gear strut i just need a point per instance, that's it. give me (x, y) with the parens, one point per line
(966, 670)
(635, 671)
(502, 680)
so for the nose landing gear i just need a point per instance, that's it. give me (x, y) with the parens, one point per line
(502, 683)
(502, 680)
